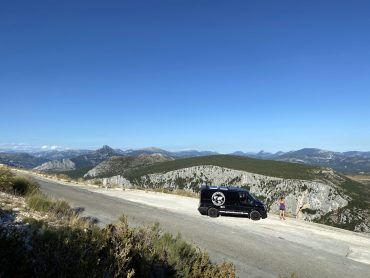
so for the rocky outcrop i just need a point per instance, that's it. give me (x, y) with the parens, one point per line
(309, 200)
(322, 200)
(57, 165)
(350, 218)
(116, 181)
(94, 158)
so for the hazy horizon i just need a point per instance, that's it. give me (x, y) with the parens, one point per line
(37, 148)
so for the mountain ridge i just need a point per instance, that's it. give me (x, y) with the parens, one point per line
(349, 161)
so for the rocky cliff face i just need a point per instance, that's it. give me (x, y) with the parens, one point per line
(350, 218)
(115, 181)
(313, 200)
(57, 165)
(308, 199)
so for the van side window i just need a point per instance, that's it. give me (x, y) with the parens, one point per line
(242, 198)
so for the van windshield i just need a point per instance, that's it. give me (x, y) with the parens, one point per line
(253, 197)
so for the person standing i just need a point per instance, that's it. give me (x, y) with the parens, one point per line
(281, 203)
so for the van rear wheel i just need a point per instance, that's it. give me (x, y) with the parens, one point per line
(255, 215)
(212, 212)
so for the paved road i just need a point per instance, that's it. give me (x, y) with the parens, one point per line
(257, 250)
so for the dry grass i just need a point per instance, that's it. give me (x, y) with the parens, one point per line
(65, 245)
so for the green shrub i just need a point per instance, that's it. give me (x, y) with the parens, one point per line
(114, 251)
(62, 208)
(23, 186)
(15, 185)
(38, 201)
(97, 182)
(76, 252)
(173, 256)
(309, 211)
(6, 178)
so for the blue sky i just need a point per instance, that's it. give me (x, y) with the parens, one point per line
(215, 75)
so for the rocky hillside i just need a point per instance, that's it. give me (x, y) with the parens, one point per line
(312, 193)
(56, 165)
(94, 158)
(84, 161)
(317, 197)
(120, 165)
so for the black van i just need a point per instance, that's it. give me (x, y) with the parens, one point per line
(229, 200)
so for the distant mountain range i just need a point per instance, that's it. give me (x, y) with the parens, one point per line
(59, 154)
(90, 159)
(180, 154)
(259, 155)
(21, 160)
(87, 160)
(352, 161)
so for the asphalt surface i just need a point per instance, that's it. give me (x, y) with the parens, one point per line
(257, 250)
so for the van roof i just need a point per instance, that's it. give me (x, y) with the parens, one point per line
(223, 187)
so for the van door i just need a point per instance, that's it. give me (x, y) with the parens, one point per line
(246, 203)
(232, 203)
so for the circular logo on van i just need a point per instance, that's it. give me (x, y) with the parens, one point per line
(218, 198)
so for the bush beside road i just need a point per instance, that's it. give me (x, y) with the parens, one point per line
(44, 237)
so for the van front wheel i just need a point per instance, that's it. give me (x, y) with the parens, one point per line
(255, 215)
(212, 212)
